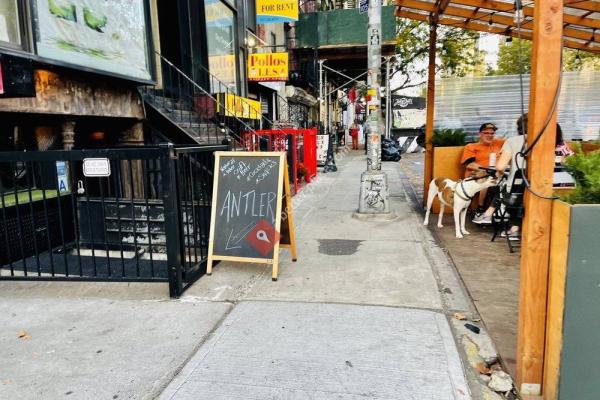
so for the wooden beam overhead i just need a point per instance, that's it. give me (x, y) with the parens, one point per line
(442, 5)
(593, 6)
(583, 35)
(498, 6)
(475, 10)
(437, 10)
(471, 14)
(587, 45)
(473, 25)
(591, 47)
(481, 13)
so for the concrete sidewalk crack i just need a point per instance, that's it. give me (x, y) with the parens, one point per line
(210, 336)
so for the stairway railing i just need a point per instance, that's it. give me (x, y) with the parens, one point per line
(204, 112)
(204, 115)
(283, 109)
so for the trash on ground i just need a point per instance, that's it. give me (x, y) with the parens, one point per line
(390, 150)
(23, 335)
(482, 368)
(473, 328)
(460, 316)
(500, 382)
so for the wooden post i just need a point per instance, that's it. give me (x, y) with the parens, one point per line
(430, 108)
(535, 249)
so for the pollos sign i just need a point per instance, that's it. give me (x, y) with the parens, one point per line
(268, 67)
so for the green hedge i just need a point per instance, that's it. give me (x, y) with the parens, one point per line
(585, 168)
(448, 137)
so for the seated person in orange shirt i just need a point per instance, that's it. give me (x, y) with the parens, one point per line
(477, 155)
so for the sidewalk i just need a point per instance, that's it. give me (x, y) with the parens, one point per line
(365, 312)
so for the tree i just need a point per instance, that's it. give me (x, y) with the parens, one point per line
(575, 60)
(514, 57)
(457, 52)
(460, 55)
(509, 61)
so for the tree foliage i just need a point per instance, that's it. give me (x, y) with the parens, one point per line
(460, 54)
(585, 168)
(575, 60)
(514, 58)
(457, 52)
(509, 61)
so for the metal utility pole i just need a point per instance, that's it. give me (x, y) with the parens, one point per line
(324, 100)
(388, 99)
(374, 86)
(320, 88)
(374, 195)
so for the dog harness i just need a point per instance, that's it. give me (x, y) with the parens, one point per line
(466, 196)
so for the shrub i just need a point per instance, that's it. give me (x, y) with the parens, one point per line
(448, 137)
(585, 168)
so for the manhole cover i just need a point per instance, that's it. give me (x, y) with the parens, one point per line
(338, 247)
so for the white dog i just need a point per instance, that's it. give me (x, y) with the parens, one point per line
(457, 195)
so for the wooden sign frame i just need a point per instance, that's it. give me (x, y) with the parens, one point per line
(281, 201)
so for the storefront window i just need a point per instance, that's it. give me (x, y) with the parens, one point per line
(221, 40)
(10, 31)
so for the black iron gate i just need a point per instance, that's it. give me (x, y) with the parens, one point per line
(136, 214)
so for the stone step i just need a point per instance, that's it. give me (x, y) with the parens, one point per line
(123, 210)
(168, 103)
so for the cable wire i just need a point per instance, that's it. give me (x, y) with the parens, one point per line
(525, 150)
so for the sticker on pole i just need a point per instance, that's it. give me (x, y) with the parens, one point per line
(374, 37)
(62, 176)
(363, 6)
(96, 167)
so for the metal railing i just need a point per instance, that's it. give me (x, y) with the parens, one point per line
(282, 108)
(147, 220)
(203, 113)
(294, 115)
(289, 114)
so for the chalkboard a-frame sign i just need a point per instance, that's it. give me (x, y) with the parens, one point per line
(250, 191)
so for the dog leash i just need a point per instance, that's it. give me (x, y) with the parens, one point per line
(489, 171)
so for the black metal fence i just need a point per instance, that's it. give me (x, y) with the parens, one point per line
(147, 219)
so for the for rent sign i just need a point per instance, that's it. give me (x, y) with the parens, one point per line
(268, 67)
(275, 11)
